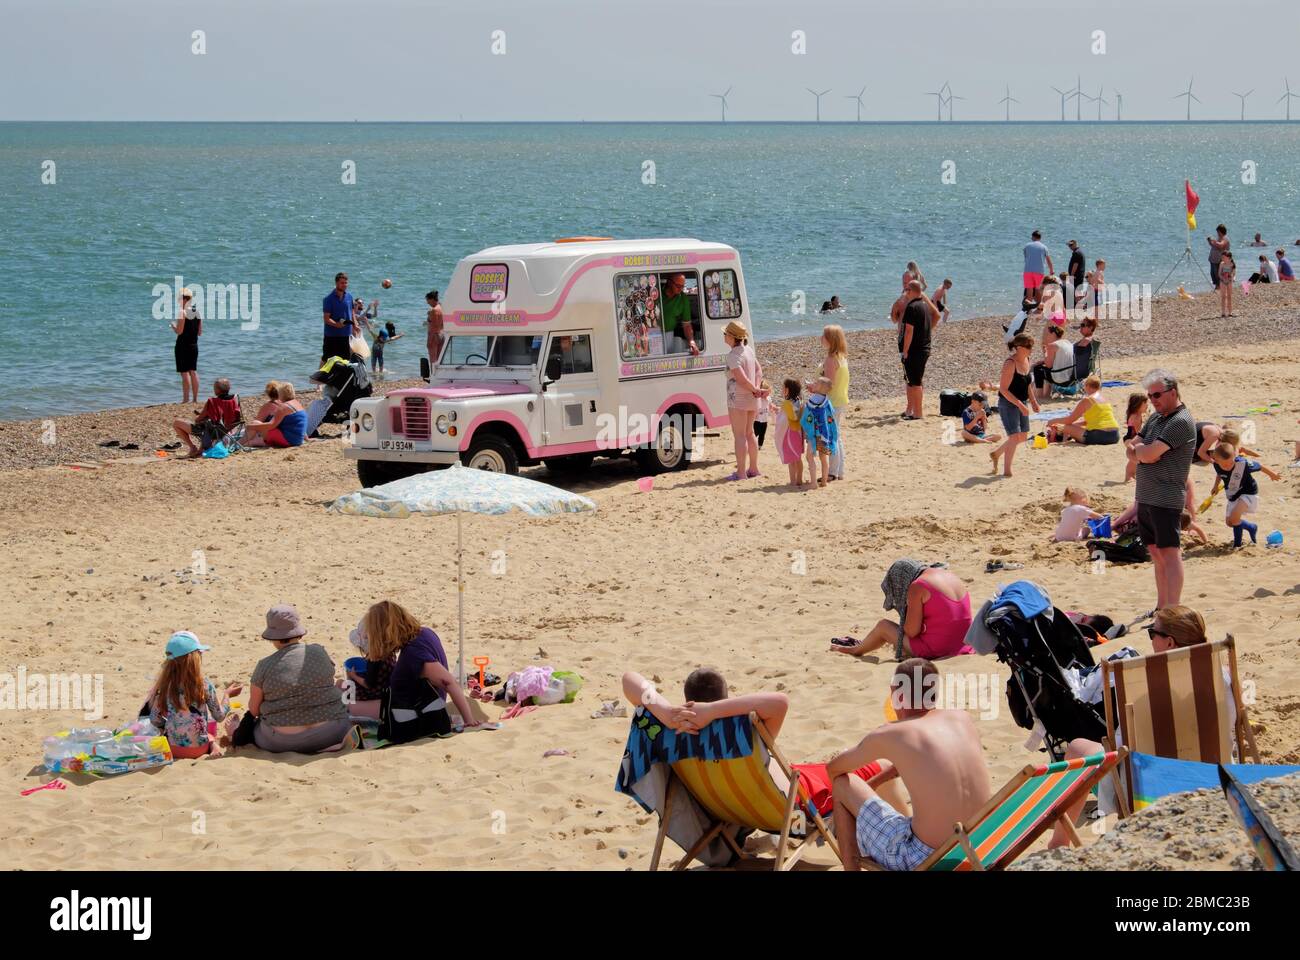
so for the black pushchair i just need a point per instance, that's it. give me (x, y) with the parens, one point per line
(342, 383)
(1039, 650)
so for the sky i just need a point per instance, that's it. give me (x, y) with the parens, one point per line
(611, 60)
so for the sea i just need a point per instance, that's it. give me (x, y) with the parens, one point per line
(96, 219)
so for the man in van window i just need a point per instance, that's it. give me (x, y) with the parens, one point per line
(679, 334)
(574, 354)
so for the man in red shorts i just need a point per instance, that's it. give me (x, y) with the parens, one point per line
(1038, 264)
(705, 692)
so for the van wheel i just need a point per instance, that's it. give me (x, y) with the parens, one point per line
(571, 465)
(491, 453)
(671, 449)
(374, 473)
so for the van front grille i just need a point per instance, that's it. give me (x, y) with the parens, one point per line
(415, 411)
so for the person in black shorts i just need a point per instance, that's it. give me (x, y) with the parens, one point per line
(1163, 451)
(188, 327)
(918, 316)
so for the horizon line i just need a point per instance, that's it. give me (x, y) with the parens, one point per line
(716, 123)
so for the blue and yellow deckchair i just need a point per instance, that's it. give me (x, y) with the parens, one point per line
(723, 772)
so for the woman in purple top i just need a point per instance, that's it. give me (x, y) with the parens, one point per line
(420, 683)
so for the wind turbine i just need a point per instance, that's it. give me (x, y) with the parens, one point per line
(858, 98)
(1190, 97)
(1008, 100)
(1097, 100)
(1119, 105)
(1243, 97)
(1079, 96)
(951, 97)
(819, 100)
(722, 97)
(1064, 95)
(939, 97)
(1287, 97)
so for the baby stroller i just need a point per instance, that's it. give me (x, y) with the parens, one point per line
(1045, 651)
(342, 382)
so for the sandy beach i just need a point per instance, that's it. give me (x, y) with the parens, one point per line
(99, 565)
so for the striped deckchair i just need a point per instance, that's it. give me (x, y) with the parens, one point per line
(1018, 814)
(1174, 704)
(724, 771)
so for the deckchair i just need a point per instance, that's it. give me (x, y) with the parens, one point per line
(1035, 800)
(730, 783)
(1174, 704)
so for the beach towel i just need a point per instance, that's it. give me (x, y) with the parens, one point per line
(643, 774)
(898, 580)
(1155, 777)
(1028, 597)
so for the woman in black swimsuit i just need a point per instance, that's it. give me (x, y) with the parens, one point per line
(1014, 400)
(188, 327)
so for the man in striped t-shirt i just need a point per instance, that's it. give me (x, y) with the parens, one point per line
(1163, 451)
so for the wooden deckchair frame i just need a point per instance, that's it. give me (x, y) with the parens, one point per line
(1057, 813)
(1125, 722)
(789, 849)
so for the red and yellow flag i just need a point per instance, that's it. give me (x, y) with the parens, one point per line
(1193, 200)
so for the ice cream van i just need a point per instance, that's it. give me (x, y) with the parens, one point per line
(560, 352)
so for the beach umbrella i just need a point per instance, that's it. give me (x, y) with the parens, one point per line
(460, 490)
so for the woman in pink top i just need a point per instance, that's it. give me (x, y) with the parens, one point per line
(744, 393)
(933, 607)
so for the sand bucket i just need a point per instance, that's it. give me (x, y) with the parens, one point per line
(645, 484)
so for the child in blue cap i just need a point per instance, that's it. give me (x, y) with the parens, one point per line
(183, 701)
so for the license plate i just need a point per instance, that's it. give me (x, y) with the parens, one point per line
(396, 445)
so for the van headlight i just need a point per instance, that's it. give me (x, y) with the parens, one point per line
(367, 422)
(442, 423)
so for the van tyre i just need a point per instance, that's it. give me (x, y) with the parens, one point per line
(374, 473)
(493, 453)
(671, 449)
(571, 465)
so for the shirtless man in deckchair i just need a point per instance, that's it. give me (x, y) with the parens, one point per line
(706, 698)
(937, 755)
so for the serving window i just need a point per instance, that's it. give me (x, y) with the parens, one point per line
(658, 314)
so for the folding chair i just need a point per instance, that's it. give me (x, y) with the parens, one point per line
(731, 784)
(1036, 799)
(1174, 704)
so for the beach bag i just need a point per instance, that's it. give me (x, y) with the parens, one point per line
(953, 402)
(208, 433)
(1126, 548)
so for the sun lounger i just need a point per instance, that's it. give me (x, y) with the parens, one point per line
(716, 786)
(1174, 704)
(1018, 814)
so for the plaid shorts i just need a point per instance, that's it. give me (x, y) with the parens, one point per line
(886, 836)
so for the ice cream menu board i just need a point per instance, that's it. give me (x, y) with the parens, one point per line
(722, 294)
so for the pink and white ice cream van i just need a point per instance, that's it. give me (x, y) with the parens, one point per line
(561, 352)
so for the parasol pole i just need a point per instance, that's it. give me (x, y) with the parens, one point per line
(460, 603)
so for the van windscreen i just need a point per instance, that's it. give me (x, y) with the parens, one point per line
(484, 351)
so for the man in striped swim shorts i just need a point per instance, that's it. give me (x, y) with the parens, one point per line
(937, 755)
